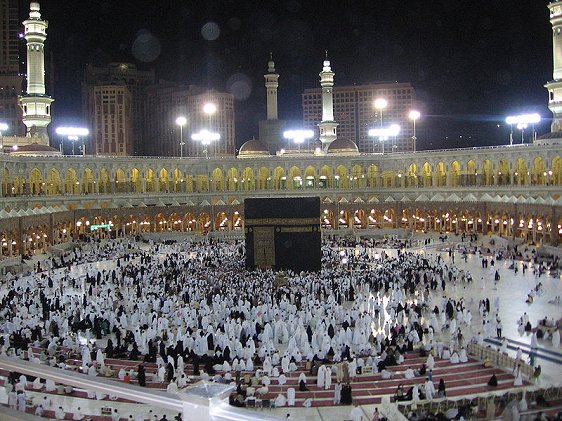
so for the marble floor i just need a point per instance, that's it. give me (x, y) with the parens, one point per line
(511, 291)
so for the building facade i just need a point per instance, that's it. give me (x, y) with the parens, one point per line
(355, 113)
(124, 75)
(110, 110)
(166, 101)
(508, 191)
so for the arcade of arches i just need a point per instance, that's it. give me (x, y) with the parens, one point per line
(103, 178)
(211, 192)
(536, 223)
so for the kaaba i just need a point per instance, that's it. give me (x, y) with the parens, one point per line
(283, 233)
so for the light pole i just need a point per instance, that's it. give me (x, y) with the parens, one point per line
(414, 115)
(298, 136)
(3, 128)
(380, 104)
(210, 109)
(181, 121)
(73, 134)
(384, 133)
(205, 137)
(522, 122)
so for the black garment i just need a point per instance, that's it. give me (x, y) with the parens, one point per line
(141, 376)
(493, 382)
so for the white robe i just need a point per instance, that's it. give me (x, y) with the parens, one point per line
(556, 339)
(291, 396)
(321, 376)
(328, 379)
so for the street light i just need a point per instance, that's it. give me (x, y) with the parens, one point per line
(522, 122)
(3, 128)
(210, 109)
(414, 115)
(181, 121)
(380, 104)
(384, 133)
(298, 136)
(205, 137)
(73, 134)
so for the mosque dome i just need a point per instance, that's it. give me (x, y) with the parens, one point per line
(36, 149)
(343, 146)
(253, 148)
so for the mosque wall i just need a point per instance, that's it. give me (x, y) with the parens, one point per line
(445, 190)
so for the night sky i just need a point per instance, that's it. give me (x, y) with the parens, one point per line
(471, 62)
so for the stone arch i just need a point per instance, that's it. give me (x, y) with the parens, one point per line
(164, 180)
(440, 174)
(248, 179)
(521, 173)
(120, 181)
(310, 179)
(218, 180)
(295, 178)
(326, 178)
(279, 178)
(388, 178)
(556, 177)
(357, 176)
(264, 178)
(150, 184)
(232, 179)
(372, 176)
(341, 177)
(6, 182)
(471, 173)
(412, 176)
(538, 175)
(455, 173)
(327, 219)
(136, 183)
(36, 183)
(88, 181)
(178, 180)
(54, 183)
(426, 175)
(71, 183)
(487, 176)
(504, 173)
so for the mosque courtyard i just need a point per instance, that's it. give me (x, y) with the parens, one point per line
(508, 298)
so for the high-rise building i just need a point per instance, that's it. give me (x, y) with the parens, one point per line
(109, 109)
(167, 101)
(9, 41)
(355, 113)
(123, 75)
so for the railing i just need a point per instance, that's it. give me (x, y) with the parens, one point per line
(192, 407)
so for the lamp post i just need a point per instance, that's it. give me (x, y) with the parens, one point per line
(181, 121)
(205, 137)
(380, 104)
(3, 128)
(384, 133)
(209, 108)
(298, 136)
(73, 134)
(414, 115)
(522, 122)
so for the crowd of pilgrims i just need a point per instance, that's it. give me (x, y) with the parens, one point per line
(194, 302)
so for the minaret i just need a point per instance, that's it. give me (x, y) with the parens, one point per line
(35, 104)
(271, 85)
(327, 126)
(555, 86)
